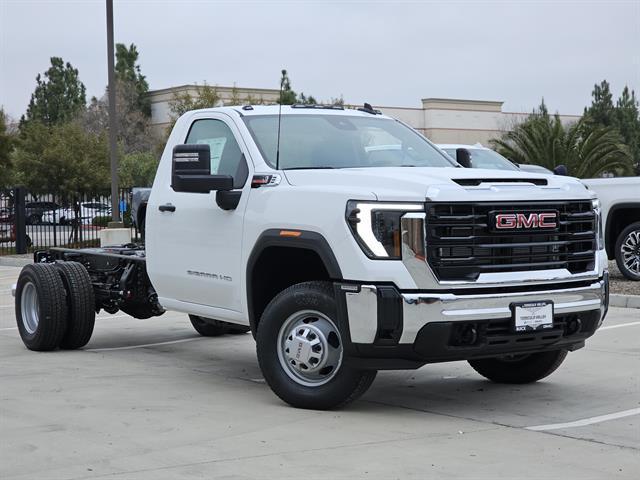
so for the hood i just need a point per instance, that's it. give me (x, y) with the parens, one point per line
(443, 184)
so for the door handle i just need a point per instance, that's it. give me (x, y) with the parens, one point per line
(167, 208)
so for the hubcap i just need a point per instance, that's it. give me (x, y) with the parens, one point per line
(30, 308)
(630, 250)
(309, 348)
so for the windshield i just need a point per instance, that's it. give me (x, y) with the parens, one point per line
(485, 158)
(341, 141)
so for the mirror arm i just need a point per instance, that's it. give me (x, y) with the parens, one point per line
(228, 199)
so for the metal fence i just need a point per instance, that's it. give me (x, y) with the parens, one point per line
(32, 221)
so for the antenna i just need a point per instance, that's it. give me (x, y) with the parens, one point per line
(284, 73)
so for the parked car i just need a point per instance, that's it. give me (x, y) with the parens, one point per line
(87, 212)
(340, 258)
(481, 157)
(35, 210)
(620, 203)
(8, 234)
(525, 167)
(6, 215)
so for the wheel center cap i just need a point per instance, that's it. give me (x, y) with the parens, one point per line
(305, 347)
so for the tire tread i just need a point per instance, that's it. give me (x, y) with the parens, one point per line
(80, 304)
(52, 305)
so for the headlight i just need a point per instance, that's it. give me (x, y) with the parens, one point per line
(376, 226)
(598, 224)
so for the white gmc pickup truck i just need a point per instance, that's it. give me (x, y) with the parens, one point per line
(347, 243)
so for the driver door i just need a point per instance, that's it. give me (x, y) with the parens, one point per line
(201, 241)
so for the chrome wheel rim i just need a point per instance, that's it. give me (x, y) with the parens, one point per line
(630, 250)
(310, 348)
(30, 308)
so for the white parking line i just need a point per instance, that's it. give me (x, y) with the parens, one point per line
(130, 347)
(586, 421)
(608, 327)
(8, 328)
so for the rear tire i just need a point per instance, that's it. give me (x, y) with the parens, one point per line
(80, 305)
(519, 369)
(41, 307)
(628, 252)
(300, 350)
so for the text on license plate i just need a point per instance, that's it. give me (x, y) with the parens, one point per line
(533, 316)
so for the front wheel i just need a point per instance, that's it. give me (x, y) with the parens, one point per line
(519, 368)
(301, 353)
(628, 251)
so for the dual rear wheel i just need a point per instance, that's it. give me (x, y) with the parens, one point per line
(55, 306)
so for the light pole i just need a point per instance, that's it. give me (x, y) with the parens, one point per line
(113, 147)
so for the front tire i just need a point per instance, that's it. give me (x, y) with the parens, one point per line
(628, 252)
(300, 350)
(519, 368)
(41, 307)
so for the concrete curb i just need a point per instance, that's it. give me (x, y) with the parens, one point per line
(624, 301)
(15, 261)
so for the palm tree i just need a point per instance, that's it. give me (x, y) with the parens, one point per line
(586, 151)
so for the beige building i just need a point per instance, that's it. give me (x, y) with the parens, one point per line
(442, 120)
(161, 100)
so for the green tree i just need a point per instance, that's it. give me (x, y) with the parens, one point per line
(586, 151)
(6, 147)
(627, 120)
(62, 158)
(137, 169)
(132, 106)
(128, 71)
(601, 112)
(287, 95)
(205, 96)
(624, 116)
(58, 97)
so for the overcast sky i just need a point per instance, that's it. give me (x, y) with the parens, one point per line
(386, 53)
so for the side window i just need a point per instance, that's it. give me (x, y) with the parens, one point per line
(226, 156)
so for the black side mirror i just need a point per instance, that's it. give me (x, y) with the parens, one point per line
(463, 157)
(561, 170)
(191, 171)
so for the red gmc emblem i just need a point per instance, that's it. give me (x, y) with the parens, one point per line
(515, 221)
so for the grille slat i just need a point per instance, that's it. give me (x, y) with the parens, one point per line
(461, 244)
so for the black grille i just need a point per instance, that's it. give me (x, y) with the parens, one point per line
(461, 243)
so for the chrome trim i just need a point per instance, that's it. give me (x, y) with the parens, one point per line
(422, 308)
(362, 309)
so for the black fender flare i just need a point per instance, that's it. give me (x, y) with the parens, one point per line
(610, 245)
(307, 240)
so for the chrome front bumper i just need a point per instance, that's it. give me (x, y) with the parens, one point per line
(420, 309)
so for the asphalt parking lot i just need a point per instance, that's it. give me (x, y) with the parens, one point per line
(153, 400)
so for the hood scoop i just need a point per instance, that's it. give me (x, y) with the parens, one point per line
(474, 182)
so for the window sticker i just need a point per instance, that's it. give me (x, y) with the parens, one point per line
(216, 146)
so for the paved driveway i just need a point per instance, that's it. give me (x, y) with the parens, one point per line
(152, 400)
